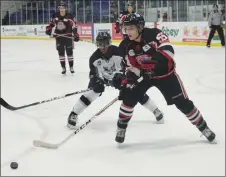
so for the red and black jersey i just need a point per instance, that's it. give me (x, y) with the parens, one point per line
(63, 25)
(155, 45)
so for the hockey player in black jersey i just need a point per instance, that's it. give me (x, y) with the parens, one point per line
(149, 54)
(119, 22)
(106, 65)
(65, 34)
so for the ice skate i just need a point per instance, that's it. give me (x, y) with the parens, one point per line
(159, 116)
(72, 70)
(210, 135)
(72, 120)
(120, 135)
(63, 70)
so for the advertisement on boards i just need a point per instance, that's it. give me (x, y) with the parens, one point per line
(195, 32)
(104, 27)
(85, 31)
(9, 30)
(22, 31)
(187, 31)
(40, 30)
(172, 30)
(36, 31)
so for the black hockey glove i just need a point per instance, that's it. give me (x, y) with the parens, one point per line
(117, 80)
(97, 84)
(117, 27)
(48, 30)
(128, 84)
(76, 37)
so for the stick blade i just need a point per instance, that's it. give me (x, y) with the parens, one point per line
(42, 144)
(6, 105)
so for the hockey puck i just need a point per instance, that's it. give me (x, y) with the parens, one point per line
(14, 165)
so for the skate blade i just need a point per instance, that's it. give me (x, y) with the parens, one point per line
(70, 127)
(119, 145)
(160, 121)
(214, 141)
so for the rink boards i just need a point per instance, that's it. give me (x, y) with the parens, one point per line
(180, 33)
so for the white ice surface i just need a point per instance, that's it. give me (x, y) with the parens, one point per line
(30, 72)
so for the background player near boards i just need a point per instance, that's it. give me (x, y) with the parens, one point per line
(65, 33)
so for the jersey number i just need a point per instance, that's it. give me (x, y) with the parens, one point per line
(161, 37)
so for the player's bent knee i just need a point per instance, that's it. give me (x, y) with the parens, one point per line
(130, 101)
(69, 52)
(144, 99)
(184, 105)
(60, 52)
(98, 88)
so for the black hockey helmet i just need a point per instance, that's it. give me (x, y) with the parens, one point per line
(62, 5)
(215, 7)
(103, 39)
(129, 5)
(129, 8)
(135, 19)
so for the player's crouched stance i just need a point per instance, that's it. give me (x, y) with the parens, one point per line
(106, 68)
(149, 54)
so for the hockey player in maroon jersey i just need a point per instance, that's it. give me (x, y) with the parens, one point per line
(149, 54)
(119, 22)
(105, 65)
(65, 33)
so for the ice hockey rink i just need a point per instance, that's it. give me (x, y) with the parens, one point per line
(30, 72)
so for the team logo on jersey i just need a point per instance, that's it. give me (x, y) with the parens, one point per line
(107, 67)
(146, 47)
(99, 63)
(131, 52)
(61, 26)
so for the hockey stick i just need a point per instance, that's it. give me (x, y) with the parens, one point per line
(61, 35)
(39, 143)
(12, 108)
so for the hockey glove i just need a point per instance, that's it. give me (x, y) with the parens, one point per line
(147, 66)
(48, 30)
(76, 37)
(97, 84)
(117, 80)
(117, 27)
(128, 84)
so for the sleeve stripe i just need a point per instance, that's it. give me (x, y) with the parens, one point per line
(164, 44)
(73, 23)
(167, 53)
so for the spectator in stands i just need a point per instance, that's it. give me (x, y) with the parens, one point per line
(165, 18)
(223, 12)
(5, 20)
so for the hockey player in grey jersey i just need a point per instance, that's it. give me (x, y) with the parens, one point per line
(106, 66)
(215, 23)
